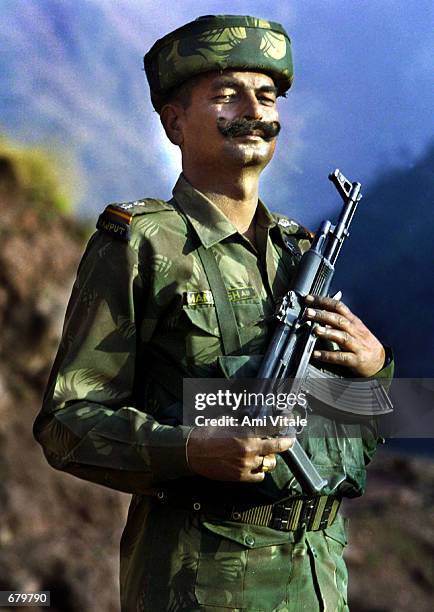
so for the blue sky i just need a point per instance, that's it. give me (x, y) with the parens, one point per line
(363, 92)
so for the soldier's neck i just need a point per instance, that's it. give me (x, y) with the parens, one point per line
(236, 195)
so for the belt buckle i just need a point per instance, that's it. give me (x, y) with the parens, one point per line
(286, 514)
(313, 513)
(322, 512)
(281, 513)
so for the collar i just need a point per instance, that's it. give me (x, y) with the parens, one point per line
(210, 224)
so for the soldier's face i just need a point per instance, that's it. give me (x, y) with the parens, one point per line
(232, 121)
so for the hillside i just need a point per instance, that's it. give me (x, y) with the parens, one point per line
(56, 533)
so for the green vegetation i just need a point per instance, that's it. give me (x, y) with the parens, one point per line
(37, 172)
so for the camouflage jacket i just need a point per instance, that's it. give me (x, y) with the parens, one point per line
(141, 317)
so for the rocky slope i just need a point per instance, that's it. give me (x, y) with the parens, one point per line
(56, 533)
(61, 534)
(391, 552)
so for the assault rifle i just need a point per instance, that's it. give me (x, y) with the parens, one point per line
(291, 346)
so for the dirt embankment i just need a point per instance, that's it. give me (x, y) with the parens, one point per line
(57, 533)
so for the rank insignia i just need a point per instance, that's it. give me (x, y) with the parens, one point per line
(284, 222)
(116, 222)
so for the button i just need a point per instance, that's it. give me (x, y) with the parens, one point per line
(196, 506)
(161, 495)
(249, 540)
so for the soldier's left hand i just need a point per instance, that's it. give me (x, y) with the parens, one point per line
(360, 349)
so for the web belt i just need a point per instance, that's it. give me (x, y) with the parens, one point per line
(314, 513)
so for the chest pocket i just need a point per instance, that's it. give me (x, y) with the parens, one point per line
(203, 333)
(202, 319)
(205, 317)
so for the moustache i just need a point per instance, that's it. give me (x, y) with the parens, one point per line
(243, 127)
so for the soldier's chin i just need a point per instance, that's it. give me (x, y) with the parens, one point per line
(251, 158)
(248, 138)
(251, 152)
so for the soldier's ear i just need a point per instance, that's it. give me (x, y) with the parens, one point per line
(170, 117)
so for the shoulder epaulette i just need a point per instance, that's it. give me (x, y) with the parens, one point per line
(289, 226)
(116, 218)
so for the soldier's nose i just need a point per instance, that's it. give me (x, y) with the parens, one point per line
(252, 109)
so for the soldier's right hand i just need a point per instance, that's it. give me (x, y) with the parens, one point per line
(217, 456)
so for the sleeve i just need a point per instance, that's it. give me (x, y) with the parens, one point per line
(385, 375)
(387, 371)
(370, 431)
(89, 425)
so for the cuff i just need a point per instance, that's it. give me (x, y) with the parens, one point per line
(389, 365)
(387, 371)
(167, 452)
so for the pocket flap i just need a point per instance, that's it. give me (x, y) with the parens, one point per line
(250, 536)
(203, 317)
(239, 366)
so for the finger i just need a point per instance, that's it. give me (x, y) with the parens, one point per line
(336, 357)
(343, 338)
(275, 445)
(258, 464)
(254, 477)
(331, 304)
(267, 461)
(326, 317)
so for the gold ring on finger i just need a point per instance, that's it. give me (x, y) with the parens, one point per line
(267, 464)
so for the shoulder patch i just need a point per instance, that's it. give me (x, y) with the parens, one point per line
(116, 218)
(289, 226)
(287, 223)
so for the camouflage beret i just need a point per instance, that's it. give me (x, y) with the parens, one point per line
(219, 42)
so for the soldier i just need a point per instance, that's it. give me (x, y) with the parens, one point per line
(203, 529)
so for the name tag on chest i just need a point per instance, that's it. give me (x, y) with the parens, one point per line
(206, 298)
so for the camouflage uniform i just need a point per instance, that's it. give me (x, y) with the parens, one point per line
(110, 413)
(141, 317)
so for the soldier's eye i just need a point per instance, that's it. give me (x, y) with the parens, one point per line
(267, 100)
(225, 97)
